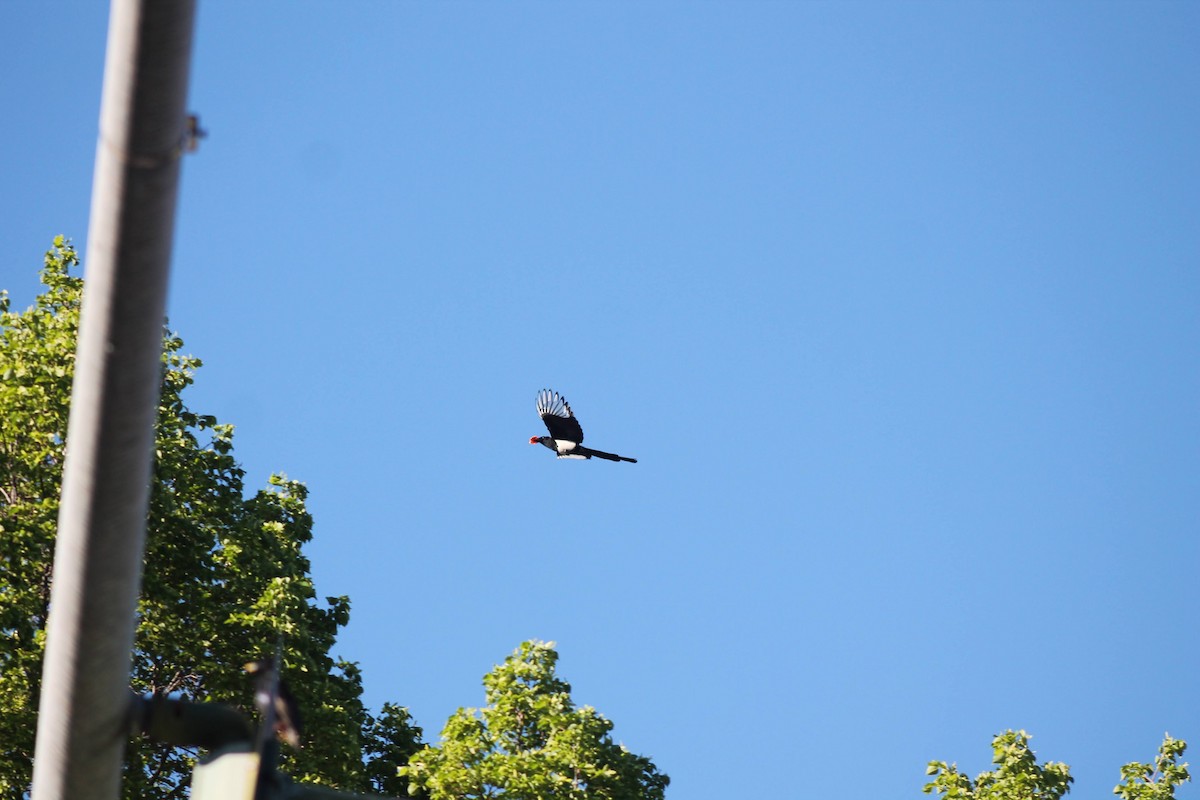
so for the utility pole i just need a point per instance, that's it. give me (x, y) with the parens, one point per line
(82, 719)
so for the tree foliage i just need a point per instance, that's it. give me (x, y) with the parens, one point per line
(1018, 775)
(1158, 780)
(224, 576)
(532, 743)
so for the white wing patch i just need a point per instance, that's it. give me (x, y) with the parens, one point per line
(553, 403)
(564, 446)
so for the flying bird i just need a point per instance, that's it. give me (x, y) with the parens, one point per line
(566, 437)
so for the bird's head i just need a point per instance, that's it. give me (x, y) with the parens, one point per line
(535, 440)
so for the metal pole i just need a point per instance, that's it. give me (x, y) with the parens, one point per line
(82, 722)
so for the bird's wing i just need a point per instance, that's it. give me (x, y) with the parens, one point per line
(559, 419)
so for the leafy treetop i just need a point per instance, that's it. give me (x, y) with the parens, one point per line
(225, 574)
(1156, 781)
(1018, 775)
(532, 743)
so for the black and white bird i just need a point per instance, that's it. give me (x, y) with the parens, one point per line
(566, 437)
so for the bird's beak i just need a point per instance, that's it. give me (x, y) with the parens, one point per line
(533, 440)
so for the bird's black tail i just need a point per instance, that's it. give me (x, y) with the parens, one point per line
(587, 451)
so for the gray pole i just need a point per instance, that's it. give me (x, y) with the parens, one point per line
(101, 525)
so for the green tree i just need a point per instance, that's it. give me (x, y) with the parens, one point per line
(532, 743)
(393, 739)
(1017, 775)
(1155, 781)
(225, 575)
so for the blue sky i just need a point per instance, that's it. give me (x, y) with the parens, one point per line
(895, 303)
